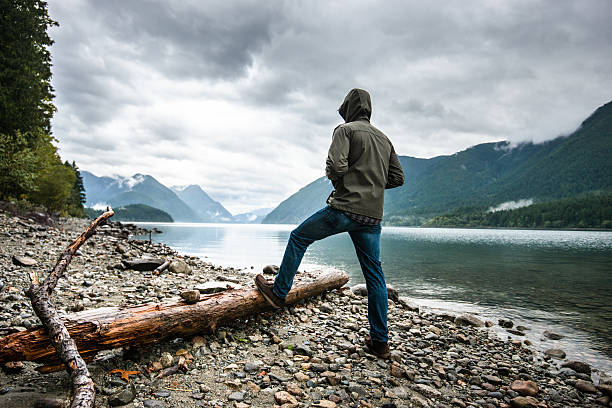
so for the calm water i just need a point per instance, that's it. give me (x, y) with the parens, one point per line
(545, 280)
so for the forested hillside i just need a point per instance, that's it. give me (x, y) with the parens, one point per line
(592, 210)
(134, 212)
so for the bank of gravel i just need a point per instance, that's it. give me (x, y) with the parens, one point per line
(306, 355)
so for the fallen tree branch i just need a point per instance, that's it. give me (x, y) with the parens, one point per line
(65, 348)
(112, 327)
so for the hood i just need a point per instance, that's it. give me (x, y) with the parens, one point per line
(356, 106)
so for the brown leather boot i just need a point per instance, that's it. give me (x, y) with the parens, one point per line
(378, 348)
(265, 288)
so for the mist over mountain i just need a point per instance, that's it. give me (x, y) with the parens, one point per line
(485, 175)
(252, 217)
(207, 209)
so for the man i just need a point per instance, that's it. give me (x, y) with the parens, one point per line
(361, 164)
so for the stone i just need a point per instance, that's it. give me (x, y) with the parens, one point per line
(324, 404)
(24, 261)
(142, 264)
(492, 379)
(301, 377)
(606, 389)
(458, 402)
(505, 323)
(251, 366)
(408, 304)
(303, 350)
(191, 296)
(361, 290)
(428, 391)
(283, 397)
(467, 319)
(555, 353)
(214, 287)
(294, 389)
(585, 386)
(578, 366)
(154, 404)
(552, 335)
(525, 388)
(524, 402)
(179, 266)
(236, 396)
(123, 397)
(270, 270)
(166, 360)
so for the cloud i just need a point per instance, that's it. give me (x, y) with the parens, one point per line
(241, 97)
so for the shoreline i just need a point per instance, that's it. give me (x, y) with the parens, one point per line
(310, 354)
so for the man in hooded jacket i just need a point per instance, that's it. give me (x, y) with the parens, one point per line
(361, 164)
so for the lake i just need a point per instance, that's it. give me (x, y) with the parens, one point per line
(544, 280)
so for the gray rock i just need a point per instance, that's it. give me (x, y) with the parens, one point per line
(270, 270)
(123, 397)
(179, 266)
(578, 366)
(191, 296)
(142, 264)
(467, 319)
(236, 396)
(506, 323)
(552, 335)
(251, 366)
(162, 393)
(24, 261)
(154, 404)
(408, 304)
(303, 350)
(555, 353)
(361, 290)
(214, 287)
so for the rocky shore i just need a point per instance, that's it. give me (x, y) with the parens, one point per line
(305, 355)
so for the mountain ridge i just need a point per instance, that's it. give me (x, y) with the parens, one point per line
(485, 175)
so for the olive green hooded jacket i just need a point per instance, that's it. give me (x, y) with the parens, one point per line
(361, 162)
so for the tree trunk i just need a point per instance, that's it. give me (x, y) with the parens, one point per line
(111, 327)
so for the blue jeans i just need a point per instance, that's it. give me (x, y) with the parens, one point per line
(366, 239)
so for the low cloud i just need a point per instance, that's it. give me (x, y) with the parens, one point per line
(511, 205)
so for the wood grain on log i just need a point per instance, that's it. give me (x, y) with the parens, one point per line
(112, 327)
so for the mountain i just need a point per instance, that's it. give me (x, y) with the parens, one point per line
(207, 209)
(300, 205)
(134, 212)
(253, 217)
(485, 175)
(138, 189)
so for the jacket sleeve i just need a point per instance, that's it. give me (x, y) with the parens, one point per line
(395, 177)
(336, 164)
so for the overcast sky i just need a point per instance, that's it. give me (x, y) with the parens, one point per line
(241, 97)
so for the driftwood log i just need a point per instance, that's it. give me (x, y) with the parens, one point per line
(58, 340)
(112, 327)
